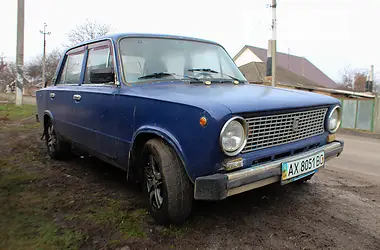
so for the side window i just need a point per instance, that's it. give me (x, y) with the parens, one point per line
(72, 69)
(98, 58)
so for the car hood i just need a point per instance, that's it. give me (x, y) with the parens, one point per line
(237, 98)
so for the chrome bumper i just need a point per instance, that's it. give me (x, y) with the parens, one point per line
(220, 186)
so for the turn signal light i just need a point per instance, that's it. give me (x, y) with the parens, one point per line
(203, 121)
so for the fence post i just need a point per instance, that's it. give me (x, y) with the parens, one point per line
(356, 114)
(376, 114)
(341, 103)
(373, 115)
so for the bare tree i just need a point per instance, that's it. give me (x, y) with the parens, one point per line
(7, 75)
(33, 69)
(88, 30)
(376, 87)
(353, 79)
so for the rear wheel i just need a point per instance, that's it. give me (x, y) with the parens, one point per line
(57, 148)
(168, 188)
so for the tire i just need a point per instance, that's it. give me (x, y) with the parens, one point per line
(166, 184)
(57, 148)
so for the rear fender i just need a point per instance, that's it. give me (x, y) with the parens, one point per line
(47, 115)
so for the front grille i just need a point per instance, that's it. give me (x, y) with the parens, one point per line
(274, 130)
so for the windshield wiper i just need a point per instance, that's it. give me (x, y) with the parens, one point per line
(215, 72)
(156, 75)
(203, 70)
(164, 74)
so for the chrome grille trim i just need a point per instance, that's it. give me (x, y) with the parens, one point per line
(275, 130)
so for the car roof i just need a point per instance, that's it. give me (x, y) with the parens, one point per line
(116, 37)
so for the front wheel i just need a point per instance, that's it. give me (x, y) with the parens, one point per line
(168, 188)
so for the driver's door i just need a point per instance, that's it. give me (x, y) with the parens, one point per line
(94, 107)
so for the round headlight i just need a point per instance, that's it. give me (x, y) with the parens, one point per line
(233, 136)
(334, 119)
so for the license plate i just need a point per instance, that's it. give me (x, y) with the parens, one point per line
(295, 170)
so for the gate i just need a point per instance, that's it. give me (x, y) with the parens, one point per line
(358, 114)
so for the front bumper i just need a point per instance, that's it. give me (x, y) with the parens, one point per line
(219, 186)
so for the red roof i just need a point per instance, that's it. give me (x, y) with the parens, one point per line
(297, 65)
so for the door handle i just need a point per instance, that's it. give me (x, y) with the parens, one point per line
(77, 97)
(52, 95)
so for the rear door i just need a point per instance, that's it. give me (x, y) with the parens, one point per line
(94, 107)
(60, 100)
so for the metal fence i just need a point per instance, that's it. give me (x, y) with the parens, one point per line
(358, 114)
(377, 115)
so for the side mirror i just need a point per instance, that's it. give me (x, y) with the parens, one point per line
(104, 75)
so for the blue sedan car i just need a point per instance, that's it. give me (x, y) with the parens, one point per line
(177, 114)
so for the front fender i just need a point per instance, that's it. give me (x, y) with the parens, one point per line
(167, 136)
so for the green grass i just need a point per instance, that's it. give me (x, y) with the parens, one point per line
(174, 231)
(27, 212)
(35, 231)
(34, 208)
(23, 214)
(112, 215)
(22, 127)
(13, 112)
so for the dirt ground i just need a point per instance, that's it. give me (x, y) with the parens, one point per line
(83, 203)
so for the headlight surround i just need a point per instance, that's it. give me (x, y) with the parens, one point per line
(233, 136)
(334, 119)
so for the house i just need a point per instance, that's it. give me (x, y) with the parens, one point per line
(291, 70)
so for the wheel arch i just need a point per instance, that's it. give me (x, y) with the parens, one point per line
(144, 134)
(48, 115)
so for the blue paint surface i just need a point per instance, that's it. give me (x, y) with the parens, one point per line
(108, 119)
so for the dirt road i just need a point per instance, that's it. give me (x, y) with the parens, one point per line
(361, 155)
(92, 205)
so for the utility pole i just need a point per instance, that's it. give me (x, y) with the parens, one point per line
(274, 41)
(20, 51)
(269, 62)
(370, 81)
(44, 55)
(288, 59)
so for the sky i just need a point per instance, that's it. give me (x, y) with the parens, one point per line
(332, 34)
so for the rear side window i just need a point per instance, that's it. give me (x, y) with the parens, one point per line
(98, 58)
(72, 69)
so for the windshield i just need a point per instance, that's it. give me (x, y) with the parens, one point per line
(148, 58)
